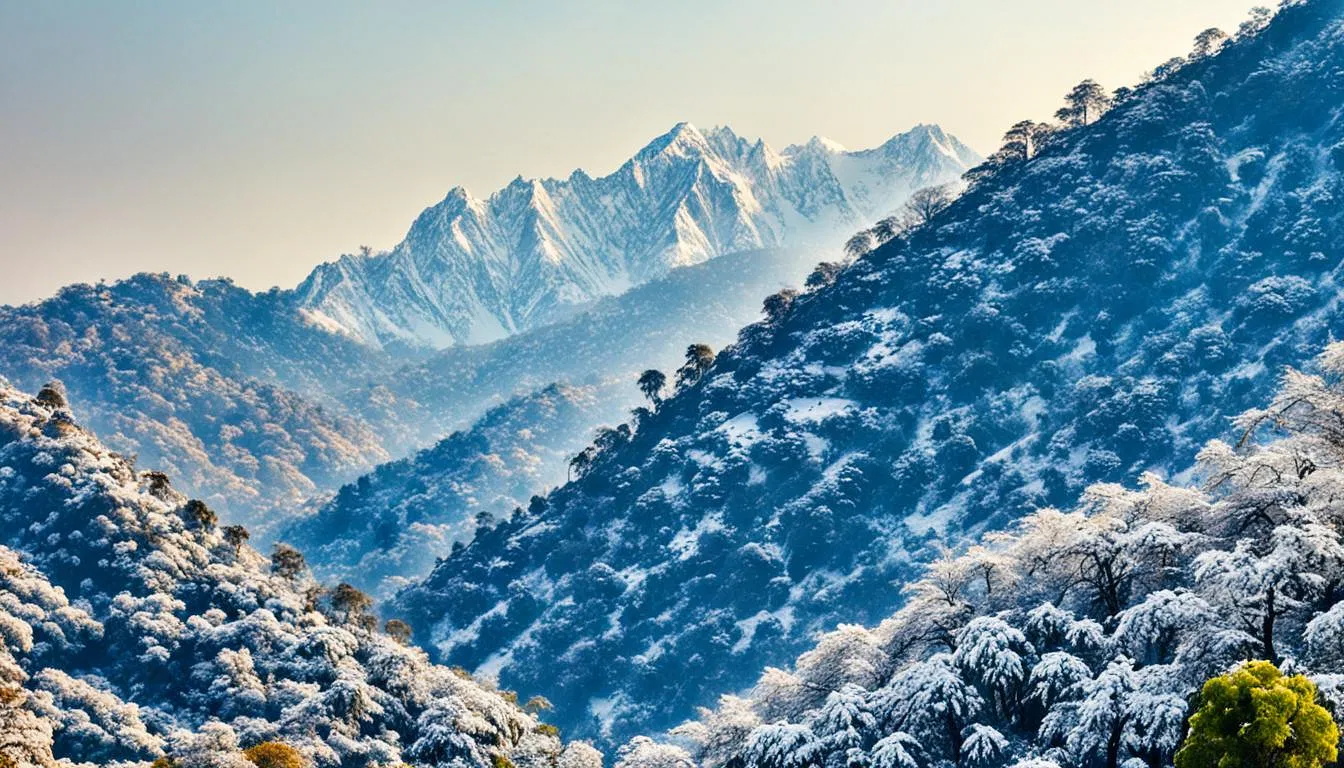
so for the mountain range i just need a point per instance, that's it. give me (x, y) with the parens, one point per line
(472, 270)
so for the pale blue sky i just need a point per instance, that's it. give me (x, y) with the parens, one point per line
(255, 138)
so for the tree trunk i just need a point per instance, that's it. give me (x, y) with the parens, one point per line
(1267, 629)
(954, 736)
(1113, 747)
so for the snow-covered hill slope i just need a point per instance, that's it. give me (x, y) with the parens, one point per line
(390, 525)
(616, 338)
(1097, 310)
(133, 627)
(386, 529)
(227, 390)
(1079, 638)
(471, 270)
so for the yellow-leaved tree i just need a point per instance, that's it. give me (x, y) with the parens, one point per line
(273, 754)
(1257, 717)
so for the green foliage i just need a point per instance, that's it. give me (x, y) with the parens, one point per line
(546, 729)
(500, 761)
(162, 762)
(1256, 717)
(273, 754)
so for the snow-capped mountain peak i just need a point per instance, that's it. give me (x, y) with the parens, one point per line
(473, 270)
(826, 145)
(683, 140)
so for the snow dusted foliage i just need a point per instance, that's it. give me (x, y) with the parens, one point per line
(1084, 639)
(252, 409)
(387, 528)
(1098, 309)
(224, 389)
(132, 628)
(472, 271)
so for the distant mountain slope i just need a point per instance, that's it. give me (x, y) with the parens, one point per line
(224, 388)
(1099, 309)
(390, 525)
(617, 337)
(472, 271)
(131, 628)
(386, 529)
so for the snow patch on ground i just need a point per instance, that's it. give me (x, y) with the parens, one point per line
(812, 410)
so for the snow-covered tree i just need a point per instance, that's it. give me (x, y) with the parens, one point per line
(1078, 638)
(132, 629)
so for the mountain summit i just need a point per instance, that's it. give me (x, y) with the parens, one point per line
(473, 270)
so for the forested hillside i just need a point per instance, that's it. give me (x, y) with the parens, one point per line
(227, 390)
(387, 529)
(1078, 638)
(1100, 302)
(134, 626)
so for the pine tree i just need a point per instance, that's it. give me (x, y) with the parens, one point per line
(927, 203)
(287, 561)
(651, 383)
(1209, 42)
(1084, 104)
(236, 536)
(351, 602)
(699, 359)
(1023, 139)
(200, 515)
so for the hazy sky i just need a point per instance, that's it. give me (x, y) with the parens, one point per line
(257, 138)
